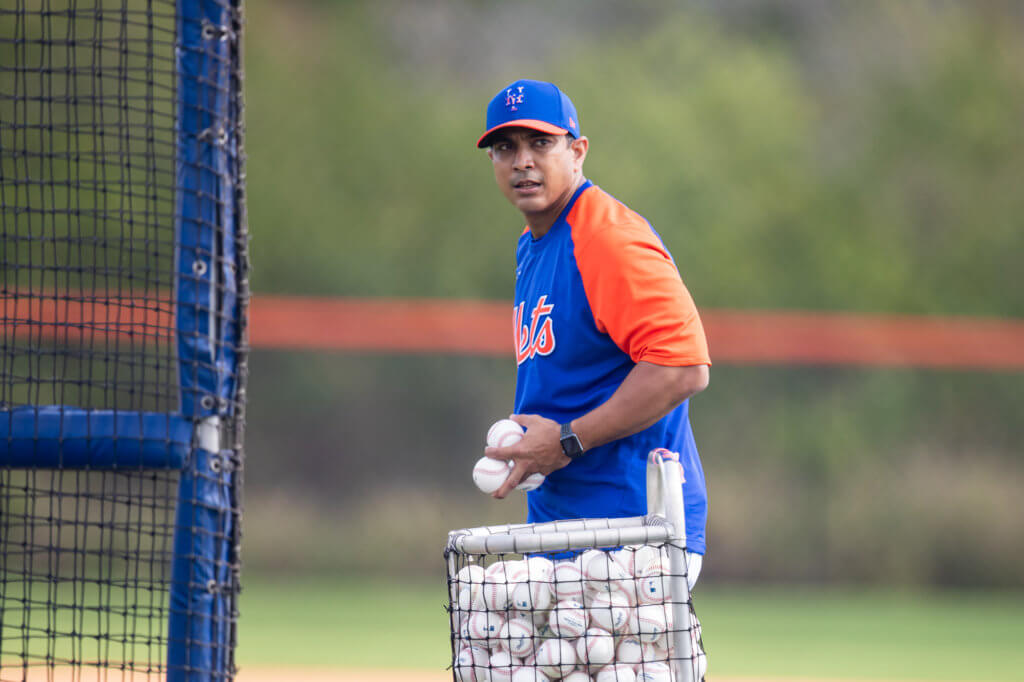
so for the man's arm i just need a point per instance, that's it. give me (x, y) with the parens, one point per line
(647, 394)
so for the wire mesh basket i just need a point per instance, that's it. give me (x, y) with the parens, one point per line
(586, 600)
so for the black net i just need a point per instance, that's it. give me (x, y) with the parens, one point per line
(84, 572)
(91, 225)
(87, 189)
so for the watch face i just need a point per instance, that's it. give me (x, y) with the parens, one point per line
(571, 446)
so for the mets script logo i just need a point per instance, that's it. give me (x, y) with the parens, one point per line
(539, 337)
(514, 98)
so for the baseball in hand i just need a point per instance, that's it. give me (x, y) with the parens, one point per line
(489, 474)
(503, 433)
(531, 482)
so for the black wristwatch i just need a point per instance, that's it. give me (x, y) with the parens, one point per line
(571, 445)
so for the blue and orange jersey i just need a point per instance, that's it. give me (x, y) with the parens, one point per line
(594, 296)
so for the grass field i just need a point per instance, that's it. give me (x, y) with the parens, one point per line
(749, 632)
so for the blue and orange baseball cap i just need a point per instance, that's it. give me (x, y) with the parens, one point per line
(531, 104)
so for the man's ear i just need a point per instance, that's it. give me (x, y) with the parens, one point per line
(580, 146)
(490, 153)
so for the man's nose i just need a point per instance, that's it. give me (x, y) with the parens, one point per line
(524, 158)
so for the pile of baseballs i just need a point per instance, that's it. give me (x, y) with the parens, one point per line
(601, 617)
(489, 474)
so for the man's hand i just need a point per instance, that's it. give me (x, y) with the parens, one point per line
(540, 450)
(647, 394)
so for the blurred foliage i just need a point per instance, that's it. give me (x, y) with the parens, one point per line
(890, 187)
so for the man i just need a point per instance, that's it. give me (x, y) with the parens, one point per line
(609, 344)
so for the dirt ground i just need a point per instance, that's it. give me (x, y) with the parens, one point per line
(294, 674)
(325, 675)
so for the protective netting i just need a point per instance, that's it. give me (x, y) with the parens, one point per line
(84, 572)
(87, 188)
(123, 287)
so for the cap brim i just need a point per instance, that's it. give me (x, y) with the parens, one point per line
(533, 124)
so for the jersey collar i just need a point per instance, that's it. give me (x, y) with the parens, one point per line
(565, 211)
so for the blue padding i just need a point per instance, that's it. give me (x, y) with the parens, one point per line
(202, 115)
(57, 436)
(199, 628)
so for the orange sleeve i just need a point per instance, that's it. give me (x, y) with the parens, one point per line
(637, 296)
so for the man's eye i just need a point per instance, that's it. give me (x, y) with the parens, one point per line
(542, 142)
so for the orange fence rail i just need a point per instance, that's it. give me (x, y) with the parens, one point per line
(485, 328)
(735, 337)
(77, 317)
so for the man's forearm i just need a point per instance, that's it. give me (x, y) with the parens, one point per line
(647, 394)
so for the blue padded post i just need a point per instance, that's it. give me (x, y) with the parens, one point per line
(200, 618)
(199, 635)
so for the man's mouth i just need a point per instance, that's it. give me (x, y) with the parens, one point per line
(526, 186)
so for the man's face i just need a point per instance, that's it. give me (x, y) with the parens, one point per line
(536, 171)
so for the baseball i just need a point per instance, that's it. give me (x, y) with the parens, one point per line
(501, 664)
(495, 597)
(531, 482)
(588, 556)
(630, 651)
(596, 647)
(556, 658)
(602, 573)
(471, 664)
(618, 672)
(503, 433)
(467, 585)
(624, 557)
(576, 676)
(540, 568)
(643, 557)
(531, 596)
(485, 625)
(568, 581)
(568, 619)
(609, 611)
(496, 572)
(652, 586)
(465, 598)
(467, 575)
(652, 622)
(529, 674)
(517, 636)
(654, 653)
(654, 672)
(489, 473)
(540, 623)
(626, 588)
(516, 571)
(701, 662)
(461, 622)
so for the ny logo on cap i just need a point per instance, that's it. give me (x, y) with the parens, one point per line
(514, 98)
